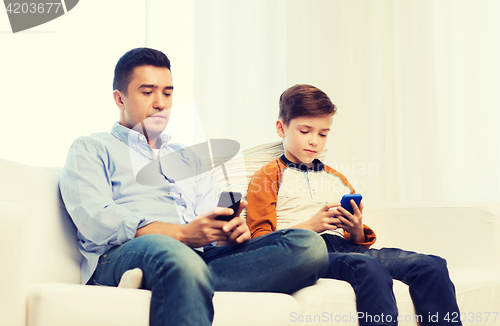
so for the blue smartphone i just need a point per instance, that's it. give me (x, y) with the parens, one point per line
(345, 202)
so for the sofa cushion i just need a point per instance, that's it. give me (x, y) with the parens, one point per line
(56, 304)
(478, 295)
(453, 231)
(333, 302)
(251, 308)
(51, 246)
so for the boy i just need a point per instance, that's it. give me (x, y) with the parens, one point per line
(166, 228)
(298, 191)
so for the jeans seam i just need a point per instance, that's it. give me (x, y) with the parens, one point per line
(353, 275)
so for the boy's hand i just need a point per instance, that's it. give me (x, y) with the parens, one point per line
(352, 223)
(321, 221)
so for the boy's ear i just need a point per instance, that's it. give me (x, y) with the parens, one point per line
(118, 97)
(280, 128)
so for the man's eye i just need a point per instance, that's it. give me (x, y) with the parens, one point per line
(146, 93)
(167, 94)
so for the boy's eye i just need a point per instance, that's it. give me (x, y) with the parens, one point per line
(304, 131)
(322, 135)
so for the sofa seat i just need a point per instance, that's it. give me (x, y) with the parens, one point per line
(330, 302)
(62, 304)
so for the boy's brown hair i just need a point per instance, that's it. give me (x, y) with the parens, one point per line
(304, 100)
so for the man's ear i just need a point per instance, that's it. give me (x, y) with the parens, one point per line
(118, 96)
(280, 128)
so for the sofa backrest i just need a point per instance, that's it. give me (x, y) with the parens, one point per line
(467, 235)
(52, 253)
(242, 167)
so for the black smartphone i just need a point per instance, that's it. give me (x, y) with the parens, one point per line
(229, 199)
(345, 202)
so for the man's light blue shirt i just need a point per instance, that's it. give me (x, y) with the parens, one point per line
(112, 184)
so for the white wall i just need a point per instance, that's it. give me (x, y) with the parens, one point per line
(416, 83)
(56, 78)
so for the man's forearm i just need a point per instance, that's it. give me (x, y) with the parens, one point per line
(171, 230)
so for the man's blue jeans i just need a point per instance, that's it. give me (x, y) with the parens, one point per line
(370, 272)
(183, 280)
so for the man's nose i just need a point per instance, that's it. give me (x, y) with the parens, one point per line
(160, 102)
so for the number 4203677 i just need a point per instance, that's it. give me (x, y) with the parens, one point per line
(33, 8)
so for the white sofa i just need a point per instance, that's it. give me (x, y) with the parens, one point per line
(40, 271)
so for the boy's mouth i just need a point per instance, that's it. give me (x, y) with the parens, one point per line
(310, 151)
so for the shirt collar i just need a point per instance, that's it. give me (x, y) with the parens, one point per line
(316, 165)
(132, 137)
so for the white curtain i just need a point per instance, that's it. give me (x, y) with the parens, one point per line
(416, 82)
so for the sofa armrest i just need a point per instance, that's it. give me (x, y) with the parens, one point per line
(12, 249)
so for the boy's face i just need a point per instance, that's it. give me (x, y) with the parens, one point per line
(148, 100)
(305, 137)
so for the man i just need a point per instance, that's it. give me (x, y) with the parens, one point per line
(167, 227)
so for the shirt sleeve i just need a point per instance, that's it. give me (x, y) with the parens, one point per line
(207, 190)
(86, 189)
(262, 197)
(370, 237)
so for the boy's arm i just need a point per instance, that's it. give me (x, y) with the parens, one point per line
(369, 240)
(262, 195)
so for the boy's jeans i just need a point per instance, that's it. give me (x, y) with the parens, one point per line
(370, 272)
(183, 280)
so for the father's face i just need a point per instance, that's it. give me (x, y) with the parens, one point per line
(148, 101)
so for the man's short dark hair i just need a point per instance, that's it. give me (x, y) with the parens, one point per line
(304, 100)
(135, 58)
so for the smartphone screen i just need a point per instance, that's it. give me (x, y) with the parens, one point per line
(229, 199)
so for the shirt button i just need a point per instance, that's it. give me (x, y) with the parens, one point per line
(141, 137)
(135, 148)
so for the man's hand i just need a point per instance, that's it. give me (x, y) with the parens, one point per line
(237, 228)
(352, 223)
(205, 229)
